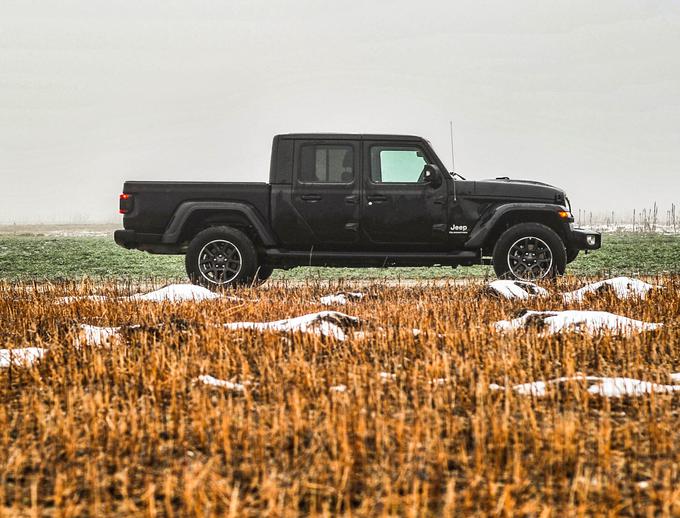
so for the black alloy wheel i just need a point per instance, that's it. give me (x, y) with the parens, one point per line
(529, 258)
(219, 261)
(218, 257)
(529, 252)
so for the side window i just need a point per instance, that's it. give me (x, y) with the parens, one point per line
(397, 164)
(324, 163)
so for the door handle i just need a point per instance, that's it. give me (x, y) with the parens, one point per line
(351, 199)
(352, 227)
(311, 197)
(376, 198)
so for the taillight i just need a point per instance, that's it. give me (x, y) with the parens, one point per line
(125, 203)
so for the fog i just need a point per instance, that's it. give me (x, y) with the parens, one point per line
(581, 94)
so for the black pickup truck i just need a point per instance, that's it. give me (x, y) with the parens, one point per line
(353, 200)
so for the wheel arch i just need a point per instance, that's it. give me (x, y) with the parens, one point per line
(190, 218)
(487, 231)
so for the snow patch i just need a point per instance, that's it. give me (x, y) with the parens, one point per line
(324, 323)
(552, 322)
(170, 293)
(597, 385)
(95, 335)
(206, 379)
(24, 356)
(76, 298)
(621, 287)
(516, 289)
(341, 298)
(178, 293)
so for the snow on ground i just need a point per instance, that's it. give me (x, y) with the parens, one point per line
(77, 298)
(326, 323)
(341, 298)
(600, 386)
(170, 293)
(516, 289)
(178, 293)
(95, 335)
(24, 356)
(581, 321)
(215, 382)
(622, 287)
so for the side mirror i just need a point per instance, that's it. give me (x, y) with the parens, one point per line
(432, 175)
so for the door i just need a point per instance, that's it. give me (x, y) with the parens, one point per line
(399, 209)
(326, 191)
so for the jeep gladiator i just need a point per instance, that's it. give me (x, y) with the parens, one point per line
(353, 200)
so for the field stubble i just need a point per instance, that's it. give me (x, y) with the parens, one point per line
(126, 429)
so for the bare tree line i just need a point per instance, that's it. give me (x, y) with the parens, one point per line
(647, 219)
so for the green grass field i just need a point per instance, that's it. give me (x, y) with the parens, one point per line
(36, 257)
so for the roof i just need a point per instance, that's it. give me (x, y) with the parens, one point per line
(348, 136)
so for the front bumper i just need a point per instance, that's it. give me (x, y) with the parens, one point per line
(586, 239)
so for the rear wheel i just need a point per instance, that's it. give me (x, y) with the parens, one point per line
(221, 256)
(529, 251)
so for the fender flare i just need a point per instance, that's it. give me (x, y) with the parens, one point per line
(186, 209)
(486, 225)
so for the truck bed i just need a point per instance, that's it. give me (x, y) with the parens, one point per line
(154, 203)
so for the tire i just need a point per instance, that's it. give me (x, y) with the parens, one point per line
(221, 257)
(572, 254)
(529, 251)
(263, 273)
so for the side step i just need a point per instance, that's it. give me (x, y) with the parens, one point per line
(381, 258)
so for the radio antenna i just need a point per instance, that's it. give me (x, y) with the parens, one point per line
(453, 164)
(453, 168)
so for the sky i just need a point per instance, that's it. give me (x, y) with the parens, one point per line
(580, 94)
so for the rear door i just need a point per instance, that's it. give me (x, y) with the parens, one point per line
(400, 210)
(326, 188)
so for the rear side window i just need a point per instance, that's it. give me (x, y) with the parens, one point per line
(326, 164)
(397, 164)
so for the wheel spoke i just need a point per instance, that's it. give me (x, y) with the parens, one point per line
(219, 261)
(529, 258)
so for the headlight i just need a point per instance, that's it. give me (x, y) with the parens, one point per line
(591, 240)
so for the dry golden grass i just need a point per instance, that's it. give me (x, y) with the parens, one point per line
(126, 430)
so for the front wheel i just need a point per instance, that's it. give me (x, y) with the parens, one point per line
(529, 251)
(572, 254)
(263, 273)
(221, 256)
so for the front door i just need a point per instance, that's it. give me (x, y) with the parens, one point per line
(326, 191)
(400, 210)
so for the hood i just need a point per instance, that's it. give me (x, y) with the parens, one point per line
(505, 188)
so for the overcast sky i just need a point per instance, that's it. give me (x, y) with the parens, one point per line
(581, 94)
